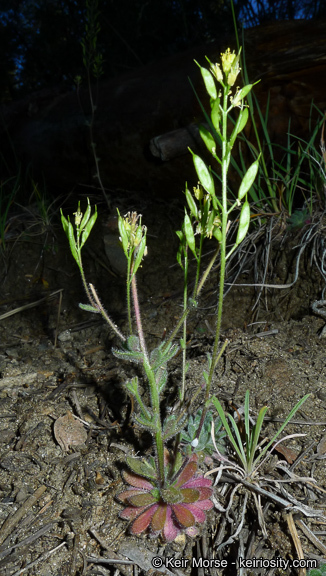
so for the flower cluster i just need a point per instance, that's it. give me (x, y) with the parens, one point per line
(230, 67)
(170, 511)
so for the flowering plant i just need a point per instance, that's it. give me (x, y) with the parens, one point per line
(167, 494)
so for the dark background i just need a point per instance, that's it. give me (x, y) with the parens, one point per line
(40, 39)
(145, 51)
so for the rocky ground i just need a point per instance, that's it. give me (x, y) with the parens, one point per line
(66, 422)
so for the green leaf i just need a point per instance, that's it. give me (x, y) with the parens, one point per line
(216, 114)
(237, 447)
(133, 343)
(123, 234)
(189, 232)
(140, 253)
(209, 81)
(285, 423)
(126, 355)
(172, 426)
(89, 308)
(161, 378)
(240, 124)
(207, 139)
(244, 221)
(88, 227)
(248, 179)
(132, 386)
(147, 421)
(191, 203)
(171, 495)
(86, 216)
(204, 174)
(141, 467)
(242, 94)
(72, 242)
(217, 233)
(180, 235)
(64, 223)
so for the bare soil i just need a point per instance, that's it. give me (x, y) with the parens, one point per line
(66, 421)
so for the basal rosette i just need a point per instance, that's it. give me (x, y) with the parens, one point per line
(176, 508)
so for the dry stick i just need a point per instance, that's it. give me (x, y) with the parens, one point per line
(290, 503)
(39, 559)
(278, 286)
(296, 540)
(13, 520)
(143, 558)
(4, 551)
(31, 305)
(72, 568)
(311, 536)
(113, 557)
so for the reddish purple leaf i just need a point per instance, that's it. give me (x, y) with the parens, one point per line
(170, 530)
(199, 482)
(190, 495)
(124, 496)
(143, 520)
(159, 518)
(130, 513)
(139, 500)
(205, 493)
(197, 513)
(183, 515)
(204, 504)
(189, 470)
(137, 481)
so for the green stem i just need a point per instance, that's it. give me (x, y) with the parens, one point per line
(185, 305)
(194, 294)
(97, 304)
(189, 308)
(128, 296)
(154, 393)
(226, 155)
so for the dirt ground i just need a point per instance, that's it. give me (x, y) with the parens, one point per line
(66, 423)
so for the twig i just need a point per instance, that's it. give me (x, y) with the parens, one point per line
(231, 539)
(143, 558)
(31, 304)
(114, 558)
(290, 504)
(39, 559)
(296, 541)
(311, 536)
(4, 551)
(13, 520)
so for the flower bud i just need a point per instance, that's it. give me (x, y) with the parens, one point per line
(217, 72)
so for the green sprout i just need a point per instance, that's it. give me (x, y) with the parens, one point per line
(320, 571)
(246, 448)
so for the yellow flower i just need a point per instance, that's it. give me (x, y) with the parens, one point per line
(217, 72)
(198, 192)
(78, 217)
(234, 70)
(227, 61)
(230, 66)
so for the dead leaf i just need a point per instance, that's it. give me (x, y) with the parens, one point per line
(68, 431)
(289, 455)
